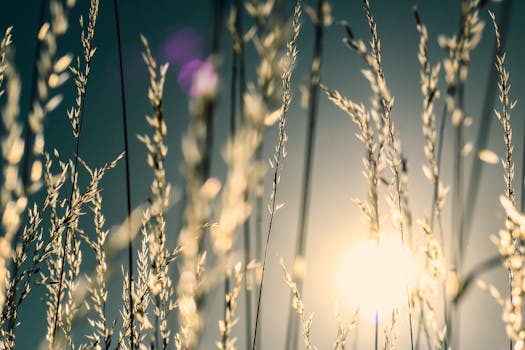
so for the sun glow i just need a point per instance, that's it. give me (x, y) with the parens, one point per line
(376, 278)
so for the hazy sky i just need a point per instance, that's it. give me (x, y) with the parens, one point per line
(179, 30)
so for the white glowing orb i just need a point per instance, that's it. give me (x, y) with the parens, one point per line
(376, 278)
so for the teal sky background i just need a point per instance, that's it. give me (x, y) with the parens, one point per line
(334, 221)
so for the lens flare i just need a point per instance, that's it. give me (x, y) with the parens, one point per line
(376, 277)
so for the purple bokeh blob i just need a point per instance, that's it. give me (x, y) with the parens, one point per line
(198, 78)
(182, 49)
(182, 46)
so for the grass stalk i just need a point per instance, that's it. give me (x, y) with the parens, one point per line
(74, 184)
(476, 169)
(237, 49)
(28, 139)
(292, 331)
(503, 116)
(28, 134)
(376, 331)
(218, 19)
(280, 153)
(439, 153)
(233, 93)
(77, 132)
(126, 161)
(238, 78)
(459, 51)
(77, 128)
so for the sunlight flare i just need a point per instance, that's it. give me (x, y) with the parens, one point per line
(376, 277)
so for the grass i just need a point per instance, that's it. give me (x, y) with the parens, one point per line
(54, 231)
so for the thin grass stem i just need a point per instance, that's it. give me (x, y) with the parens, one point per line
(44, 4)
(239, 76)
(218, 19)
(292, 331)
(74, 183)
(376, 332)
(28, 134)
(476, 169)
(126, 161)
(280, 152)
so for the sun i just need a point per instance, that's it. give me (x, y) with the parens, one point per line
(377, 277)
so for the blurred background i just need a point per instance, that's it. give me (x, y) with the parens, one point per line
(180, 31)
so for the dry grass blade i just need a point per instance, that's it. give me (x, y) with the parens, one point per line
(12, 206)
(504, 114)
(509, 239)
(230, 320)
(429, 81)
(344, 329)
(297, 305)
(155, 224)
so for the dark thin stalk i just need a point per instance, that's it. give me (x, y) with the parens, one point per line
(273, 207)
(205, 166)
(233, 93)
(439, 153)
(242, 68)
(218, 21)
(262, 25)
(128, 186)
(511, 276)
(433, 210)
(411, 329)
(248, 298)
(241, 61)
(457, 202)
(233, 117)
(420, 326)
(224, 338)
(270, 225)
(258, 236)
(286, 75)
(241, 71)
(292, 331)
(275, 179)
(218, 8)
(28, 135)
(206, 157)
(242, 91)
(376, 335)
(28, 139)
(259, 250)
(238, 73)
